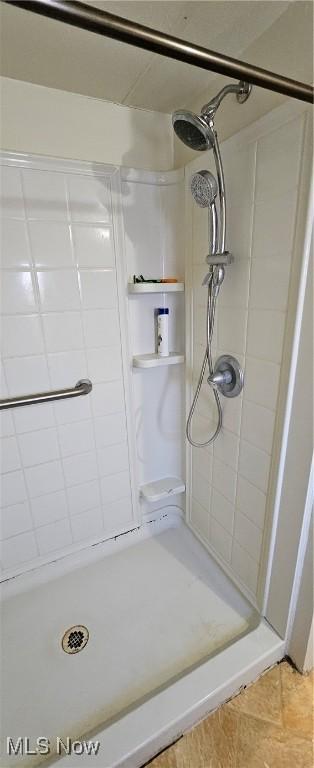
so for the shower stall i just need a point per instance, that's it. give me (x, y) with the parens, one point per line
(148, 569)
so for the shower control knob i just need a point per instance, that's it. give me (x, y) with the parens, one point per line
(227, 376)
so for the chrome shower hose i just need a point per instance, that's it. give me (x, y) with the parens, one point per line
(210, 319)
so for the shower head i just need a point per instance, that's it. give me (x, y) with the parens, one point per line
(204, 188)
(197, 131)
(193, 130)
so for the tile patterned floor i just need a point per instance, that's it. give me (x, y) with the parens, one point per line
(268, 725)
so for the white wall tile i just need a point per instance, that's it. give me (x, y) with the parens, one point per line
(244, 566)
(44, 478)
(32, 417)
(269, 284)
(98, 289)
(231, 413)
(9, 454)
(50, 244)
(6, 424)
(273, 230)
(49, 508)
(67, 368)
(254, 465)
(110, 429)
(18, 549)
(58, 290)
(80, 468)
(222, 510)
(232, 330)
(104, 364)
(73, 249)
(45, 195)
(118, 514)
(54, 537)
(26, 375)
(93, 246)
(12, 488)
(101, 327)
(113, 459)
(87, 525)
(220, 540)
(224, 479)
(39, 447)
(274, 176)
(21, 335)
(251, 501)
(258, 425)
(201, 489)
(14, 245)
(114, 487)
(200, 519)
(63, 331)
(17, 294)
(15, 519)
(76, 438)
(83, 497)
(226, 448)
(89, 198)
(11, 193)
(202, 461)
(248, 535)
(240, 172)
(261, 382)
(265, 334)
(67, 411)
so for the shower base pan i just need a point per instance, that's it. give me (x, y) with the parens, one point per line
(160, 637)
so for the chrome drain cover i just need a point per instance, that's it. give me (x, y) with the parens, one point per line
(75, 639)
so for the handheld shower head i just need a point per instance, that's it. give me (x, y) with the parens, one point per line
(204, 188)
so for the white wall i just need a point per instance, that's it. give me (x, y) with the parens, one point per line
(66, 466)
(71, 470)
(230, 505)
(47, 121)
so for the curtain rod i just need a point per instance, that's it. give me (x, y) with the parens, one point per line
(102, 23)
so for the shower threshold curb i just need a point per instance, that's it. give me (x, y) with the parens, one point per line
(135, 738)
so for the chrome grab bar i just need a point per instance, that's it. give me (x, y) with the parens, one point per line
(83, 387)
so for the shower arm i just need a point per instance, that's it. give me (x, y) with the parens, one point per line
(242, 89)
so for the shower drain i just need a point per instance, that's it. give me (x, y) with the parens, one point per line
(75, 639)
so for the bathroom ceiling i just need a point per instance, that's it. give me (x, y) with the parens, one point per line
(53, 54)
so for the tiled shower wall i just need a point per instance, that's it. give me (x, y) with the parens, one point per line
(230, 480)
(65, 466)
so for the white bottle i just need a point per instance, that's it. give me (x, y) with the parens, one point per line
(162, 332)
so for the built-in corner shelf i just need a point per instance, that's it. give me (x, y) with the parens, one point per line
(155, 288)
(161, 489)
(154, 360)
